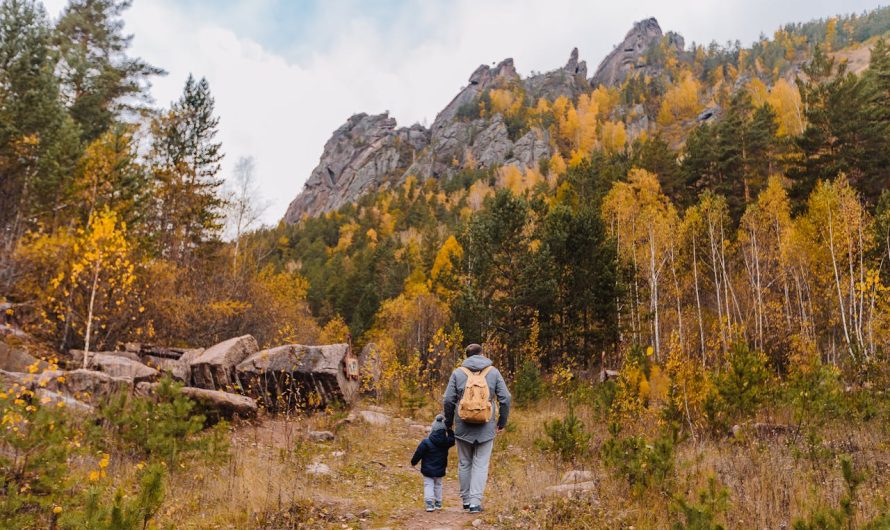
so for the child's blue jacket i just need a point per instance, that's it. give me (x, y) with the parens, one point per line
(432, 452)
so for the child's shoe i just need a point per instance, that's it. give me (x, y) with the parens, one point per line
(438, 505)
(430, 506)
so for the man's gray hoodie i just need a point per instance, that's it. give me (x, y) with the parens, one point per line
(472, 432)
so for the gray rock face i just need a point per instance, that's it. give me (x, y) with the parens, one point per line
(569, 81)
(629, 56)
(360, 156)
(482, 79)
(214, 369)
(530, 148)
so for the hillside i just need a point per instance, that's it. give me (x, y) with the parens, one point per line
(680, 265)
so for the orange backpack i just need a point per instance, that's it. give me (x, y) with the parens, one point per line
(475, 405)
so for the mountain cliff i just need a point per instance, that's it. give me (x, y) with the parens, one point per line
(369, 152)
(648, 85)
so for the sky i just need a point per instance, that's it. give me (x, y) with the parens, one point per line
(286, 73)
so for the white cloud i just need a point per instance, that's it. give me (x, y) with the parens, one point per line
(281, 106)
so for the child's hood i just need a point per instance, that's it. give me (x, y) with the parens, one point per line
(439, 438)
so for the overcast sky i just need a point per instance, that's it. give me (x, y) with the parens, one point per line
(287, 73)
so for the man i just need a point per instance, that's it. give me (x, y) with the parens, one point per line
(475, 440)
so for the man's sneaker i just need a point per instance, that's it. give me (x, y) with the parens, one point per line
(438, 505)
(430, 506)
(475, 509)
(466, 507)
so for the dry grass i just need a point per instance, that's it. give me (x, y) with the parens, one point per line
(771, 482)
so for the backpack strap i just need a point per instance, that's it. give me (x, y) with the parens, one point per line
(466, 371)
(485, 370)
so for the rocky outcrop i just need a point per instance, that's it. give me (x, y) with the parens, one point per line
(294, 375)
(369, 153)
(569, 81)
(482, 79)
(214, 368)
(630, 56)
(360, 156)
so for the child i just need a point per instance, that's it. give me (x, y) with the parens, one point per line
(433, 452)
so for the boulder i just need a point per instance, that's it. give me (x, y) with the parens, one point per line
(318, 468)
(175, 368)
(571, 489)
(122, 367)
(577, 475)
(295, 375)
(374, 417)
(77, 355)
(80, 384)
(320, 436)
(52, 399)
(17, 359)
(214, 368)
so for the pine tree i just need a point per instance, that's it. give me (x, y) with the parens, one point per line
(847, 130)
(38, 141)
(186, 164)
(99, 81)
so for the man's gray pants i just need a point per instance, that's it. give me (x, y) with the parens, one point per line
(472, 469)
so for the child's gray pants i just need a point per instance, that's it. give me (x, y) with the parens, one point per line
(432, 488)
(472, 469)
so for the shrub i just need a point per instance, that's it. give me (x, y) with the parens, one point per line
(740, 389)
(702, 515)
(642, 463)
(124, 513)
(839, 518)
(162, 426)
(35, 442)
(814, 390)
(529, 385)
(566, 437)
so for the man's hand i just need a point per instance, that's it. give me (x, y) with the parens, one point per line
(499, 429)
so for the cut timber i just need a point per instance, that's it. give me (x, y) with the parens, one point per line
(294, 375)
(225, 403)
(214, 369)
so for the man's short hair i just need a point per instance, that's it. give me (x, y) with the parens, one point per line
(473, 349)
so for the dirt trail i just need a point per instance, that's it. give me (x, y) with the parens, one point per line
(450, 517)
